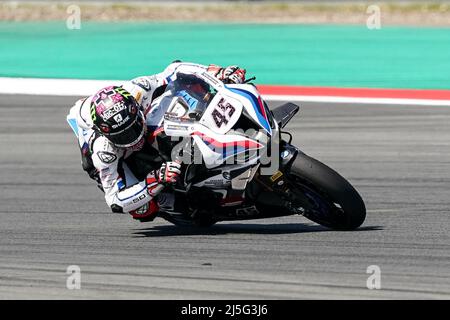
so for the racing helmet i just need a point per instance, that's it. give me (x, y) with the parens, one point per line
(118, 116)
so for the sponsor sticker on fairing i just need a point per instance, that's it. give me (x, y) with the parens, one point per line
(211, 78)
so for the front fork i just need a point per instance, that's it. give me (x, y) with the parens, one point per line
(278, 183)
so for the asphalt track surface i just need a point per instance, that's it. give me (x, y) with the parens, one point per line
(53, 216)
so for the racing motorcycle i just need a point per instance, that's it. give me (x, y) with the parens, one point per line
(239, 163)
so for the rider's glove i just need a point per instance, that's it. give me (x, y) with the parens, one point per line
(230, 74)
(233, 74)
(169, 172)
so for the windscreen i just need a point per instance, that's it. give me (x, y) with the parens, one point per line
(189, 97)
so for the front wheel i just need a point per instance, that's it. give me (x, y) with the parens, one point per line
(324, 196)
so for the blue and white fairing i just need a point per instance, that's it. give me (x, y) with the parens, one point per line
(212, 117)
(253, 104)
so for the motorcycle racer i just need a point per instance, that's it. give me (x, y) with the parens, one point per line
(116, 123)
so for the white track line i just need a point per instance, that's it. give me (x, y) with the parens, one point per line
(75, 87)
(53, 87)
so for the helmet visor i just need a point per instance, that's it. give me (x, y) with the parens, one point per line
(129, 136)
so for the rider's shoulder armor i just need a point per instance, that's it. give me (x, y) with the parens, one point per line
(84, 119)
(104, 153)
(143, 89)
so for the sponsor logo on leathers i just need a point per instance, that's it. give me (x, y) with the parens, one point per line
(106, 157)
(143, 83)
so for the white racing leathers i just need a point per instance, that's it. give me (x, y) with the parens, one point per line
(125, 194)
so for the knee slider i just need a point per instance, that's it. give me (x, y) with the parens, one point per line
(116, 208)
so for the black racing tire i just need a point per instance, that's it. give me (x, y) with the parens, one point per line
(346, 207)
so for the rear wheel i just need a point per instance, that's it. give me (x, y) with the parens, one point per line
(324, 196)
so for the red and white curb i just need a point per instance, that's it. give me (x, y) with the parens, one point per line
(357, 95)
(74, 87)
